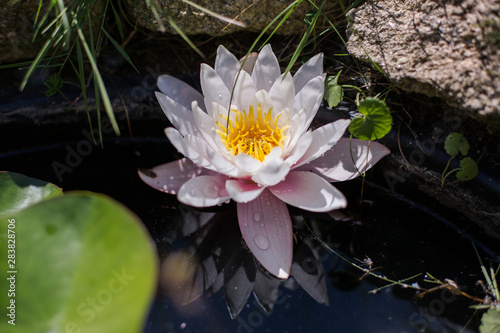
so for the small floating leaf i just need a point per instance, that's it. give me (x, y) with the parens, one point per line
(333, 91)
(490, 321)
(376, 121)
(469, 169)
(455, 143)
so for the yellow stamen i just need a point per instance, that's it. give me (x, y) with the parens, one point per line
(250, 134)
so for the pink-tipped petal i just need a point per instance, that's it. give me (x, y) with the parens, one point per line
(312, 68)
(309, 98)
(266, 70)
(308, 191)
(179, 91)
(324, 138)
(204, 191)
(171, 176)
(226, 65)
(242, 190)
(267, 230)
(336, 165)
(178, 115)
(214, 89)
(273, 169)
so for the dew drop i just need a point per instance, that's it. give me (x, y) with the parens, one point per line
(268, 203)
(245, 224)
(281, 224)
(342, 154)
(256, 216)
(220, 96)
(261, 241)
(274, 235)
(174, 92)
(262, 225)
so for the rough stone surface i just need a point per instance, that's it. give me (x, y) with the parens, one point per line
(443, 48)
(256, 14)
(16, 30)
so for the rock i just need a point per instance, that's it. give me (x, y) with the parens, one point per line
(255, 15)
(16, 30)
(448, 49)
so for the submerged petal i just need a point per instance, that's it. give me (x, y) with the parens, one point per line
(179, 91)
(306, 190)
(267, 230)
(171, 176)
(337, 164)
(266, 70)
(204, 191)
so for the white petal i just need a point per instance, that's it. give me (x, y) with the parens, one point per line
(299, 149)
(312, 68)
(324, 138)
(214, 89)
(336, 165)
(179, 91)
(266, 70)
(248, 164)
(262, 97)
(309, 98)
(241, 190)
(306, 190)
(266, 227)
(204, 191)
(178, 115)
(201, 153)
(295, 131)
(282, 93)
(226, 65)
(248, 62)
(273, 169)
(169, 177)
(205, 124)
(244, 91)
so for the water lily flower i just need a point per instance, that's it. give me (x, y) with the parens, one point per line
(247, 138)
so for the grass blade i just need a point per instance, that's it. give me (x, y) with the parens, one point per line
(120, 49)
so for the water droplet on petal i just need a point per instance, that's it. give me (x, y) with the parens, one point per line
(256, 216)
(174, 92)
(245, 224)
(268, 203)
(261, 241)
(262, 225)
(220, 96)
(342, 154)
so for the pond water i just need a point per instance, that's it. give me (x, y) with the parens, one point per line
(393, 234)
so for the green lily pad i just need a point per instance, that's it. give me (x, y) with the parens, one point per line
(333, 91)
(376, 121)
(18, 192)
(469, 169)
(490, 321)
(455, 143)
(83, 263)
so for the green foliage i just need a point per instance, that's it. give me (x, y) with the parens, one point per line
(333, 91)
(490, 321)
(18, 192)
(83, 262)
(375, 120)
(454, 144)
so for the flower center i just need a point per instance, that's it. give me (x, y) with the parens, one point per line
(255, 135)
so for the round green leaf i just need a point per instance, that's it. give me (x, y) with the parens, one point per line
(18, 192)
(375, 123)
(455, 143)
(83, 263)
(490, 321)
(469, 169)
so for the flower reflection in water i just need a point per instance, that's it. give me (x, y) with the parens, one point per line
(217, 257)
